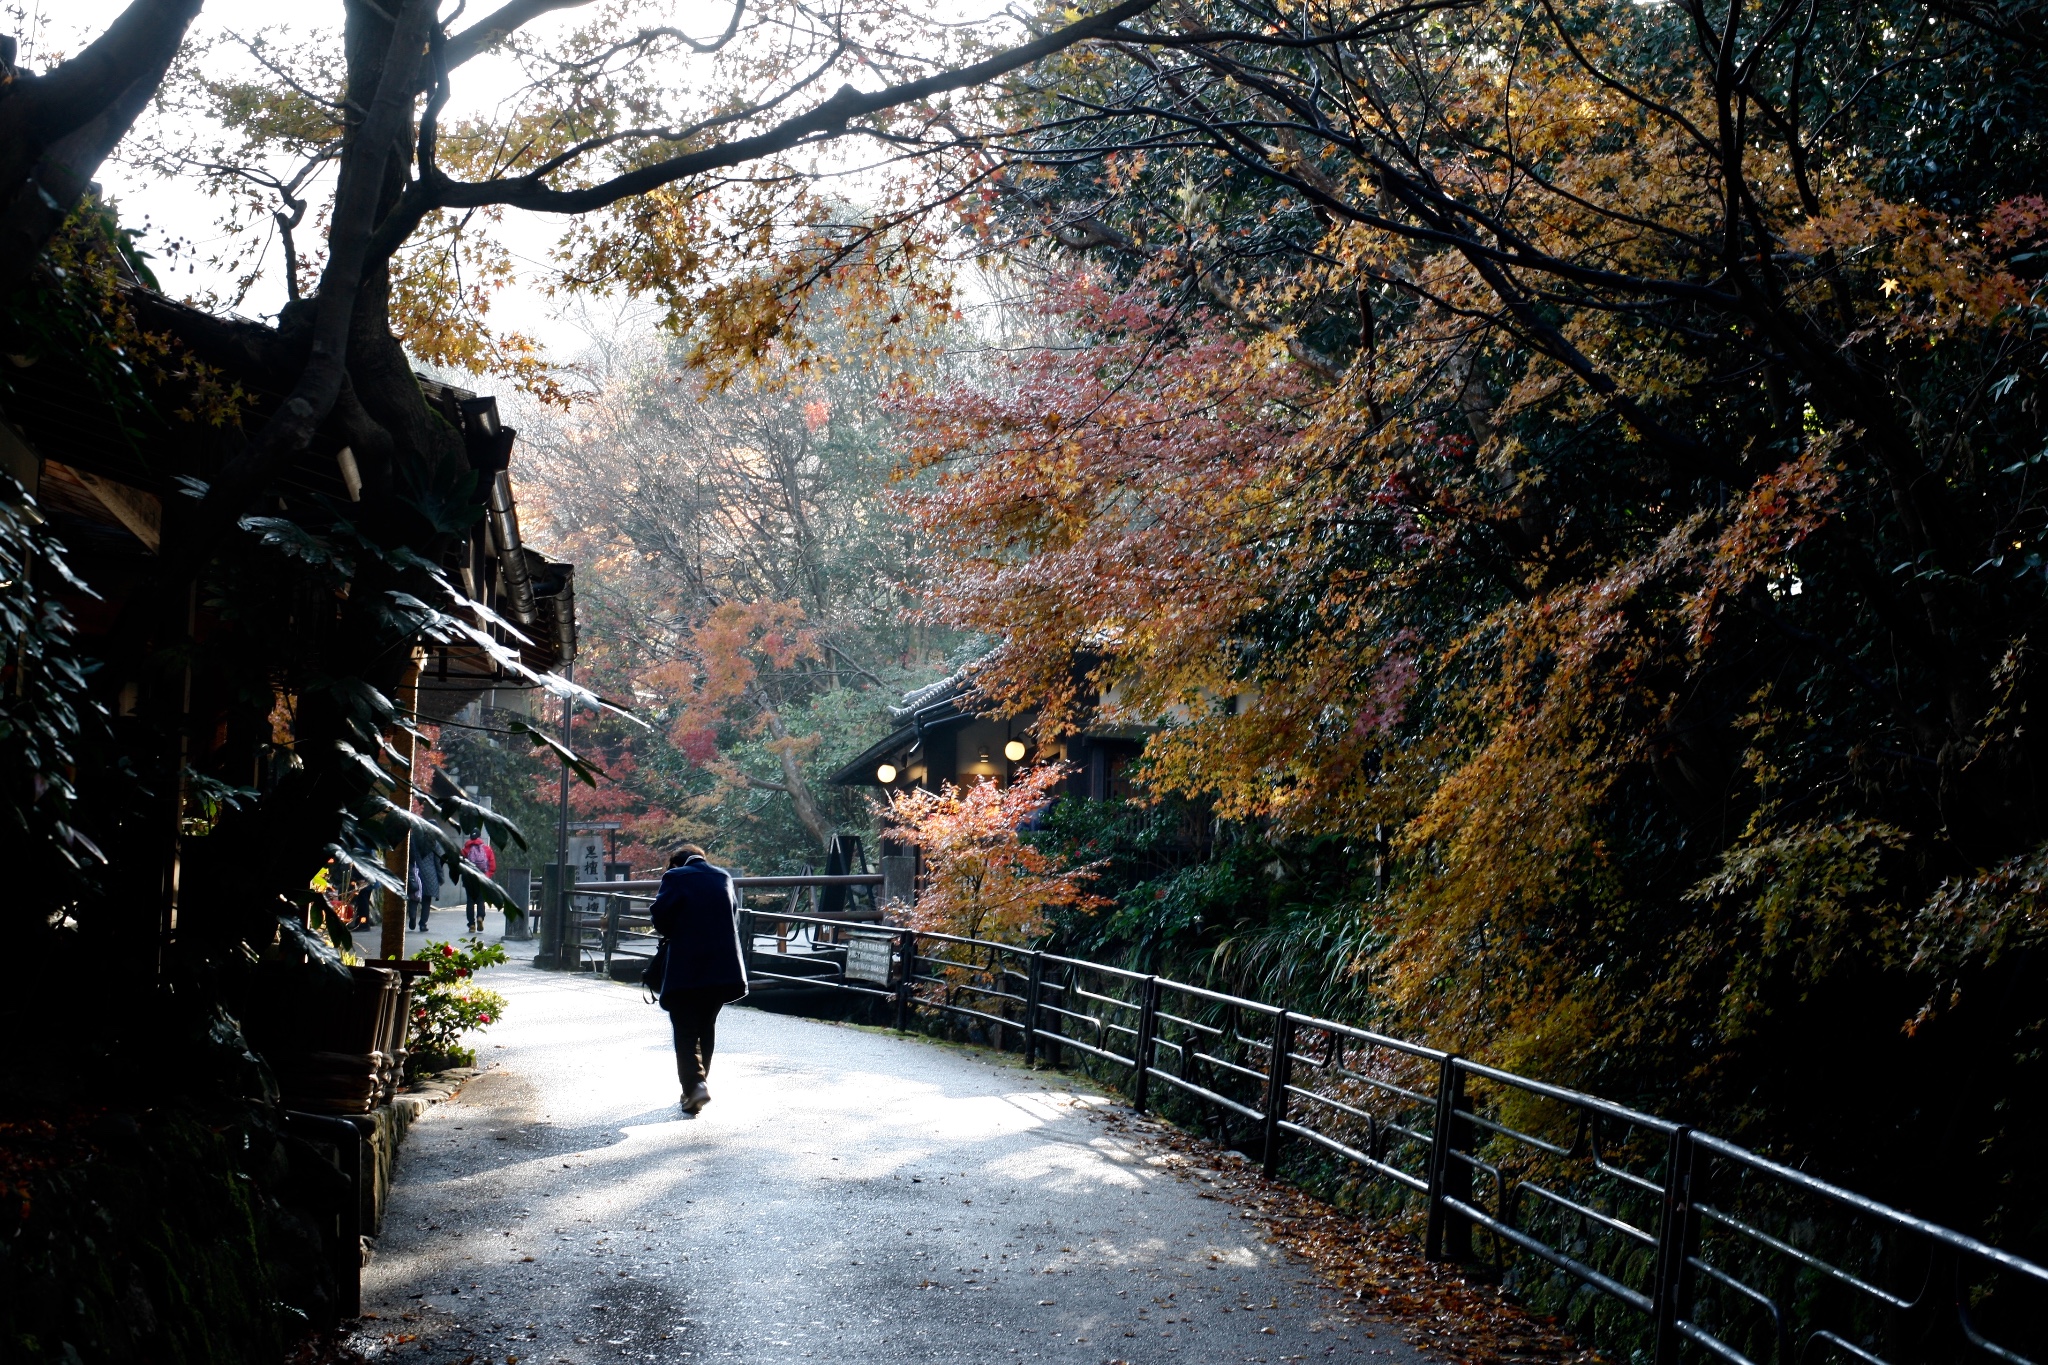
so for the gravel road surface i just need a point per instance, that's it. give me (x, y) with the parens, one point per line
(849, 1195)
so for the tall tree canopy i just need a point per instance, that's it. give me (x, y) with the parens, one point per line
(339, 141)
(1586, 455)
(744, 577)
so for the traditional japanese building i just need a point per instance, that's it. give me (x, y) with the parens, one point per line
(103, 478)
(941, 736)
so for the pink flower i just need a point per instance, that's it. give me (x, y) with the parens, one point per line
(447, 950)
(483, 1018)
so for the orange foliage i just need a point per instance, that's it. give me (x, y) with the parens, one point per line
(1137, 500)
(981, 879)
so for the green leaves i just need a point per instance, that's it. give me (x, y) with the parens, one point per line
(369, 869)
(448, 1002)
(317, 949)
(210, 799)
(1811, 902)
(289, 538)
(469, 817)
(586, 771)
(49, 719)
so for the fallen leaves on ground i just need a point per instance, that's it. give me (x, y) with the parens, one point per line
(325, 1348)
(1380, 1267)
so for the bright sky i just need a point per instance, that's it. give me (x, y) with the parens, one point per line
(178, 210)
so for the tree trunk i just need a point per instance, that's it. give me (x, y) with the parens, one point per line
(56, 128)
(793, 781)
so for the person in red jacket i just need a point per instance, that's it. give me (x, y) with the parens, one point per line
(479, 855)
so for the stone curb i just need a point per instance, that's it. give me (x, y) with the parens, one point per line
(384, 1129)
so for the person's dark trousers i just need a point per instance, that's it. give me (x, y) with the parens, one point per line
(695, 1023)
(476, 910)
(416, 914)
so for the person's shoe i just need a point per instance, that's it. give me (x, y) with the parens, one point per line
(697, 1098)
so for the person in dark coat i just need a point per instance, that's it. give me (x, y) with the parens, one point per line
(423, 884)
(697, 912)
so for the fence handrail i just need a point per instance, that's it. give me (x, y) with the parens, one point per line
(1864, 1204)
(1578, 1097)
(1218, 997)
(796, 880)
(1125, 972)
(1484, 1173)
(1366, 1035)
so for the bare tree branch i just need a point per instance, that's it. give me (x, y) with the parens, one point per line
(827, 120)
(39, 109)
(501, 24)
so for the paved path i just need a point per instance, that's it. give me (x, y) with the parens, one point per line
(849, 1195)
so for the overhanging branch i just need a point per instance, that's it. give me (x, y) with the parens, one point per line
(827, 120)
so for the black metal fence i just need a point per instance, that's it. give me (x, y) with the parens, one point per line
(606, 924)
(1651, 1236)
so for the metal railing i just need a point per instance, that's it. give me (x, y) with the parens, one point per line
(608, 921)
(1669, 1241)
(618, 926)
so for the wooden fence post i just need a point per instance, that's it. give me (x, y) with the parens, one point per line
(906, 952)
(1031, 987)
(398, 858)
(1676, 1231)
(1278, 1064)
(1141, 1052)
(611, 931)
(1448, 1236)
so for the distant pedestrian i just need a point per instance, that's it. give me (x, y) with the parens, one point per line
(477, 852)
(697, 913)
(422, 884)
(363, 897)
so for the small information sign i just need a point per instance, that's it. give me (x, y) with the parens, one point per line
(870, 957)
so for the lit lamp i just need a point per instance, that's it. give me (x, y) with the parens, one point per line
(886, 774)
(1014, 751)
